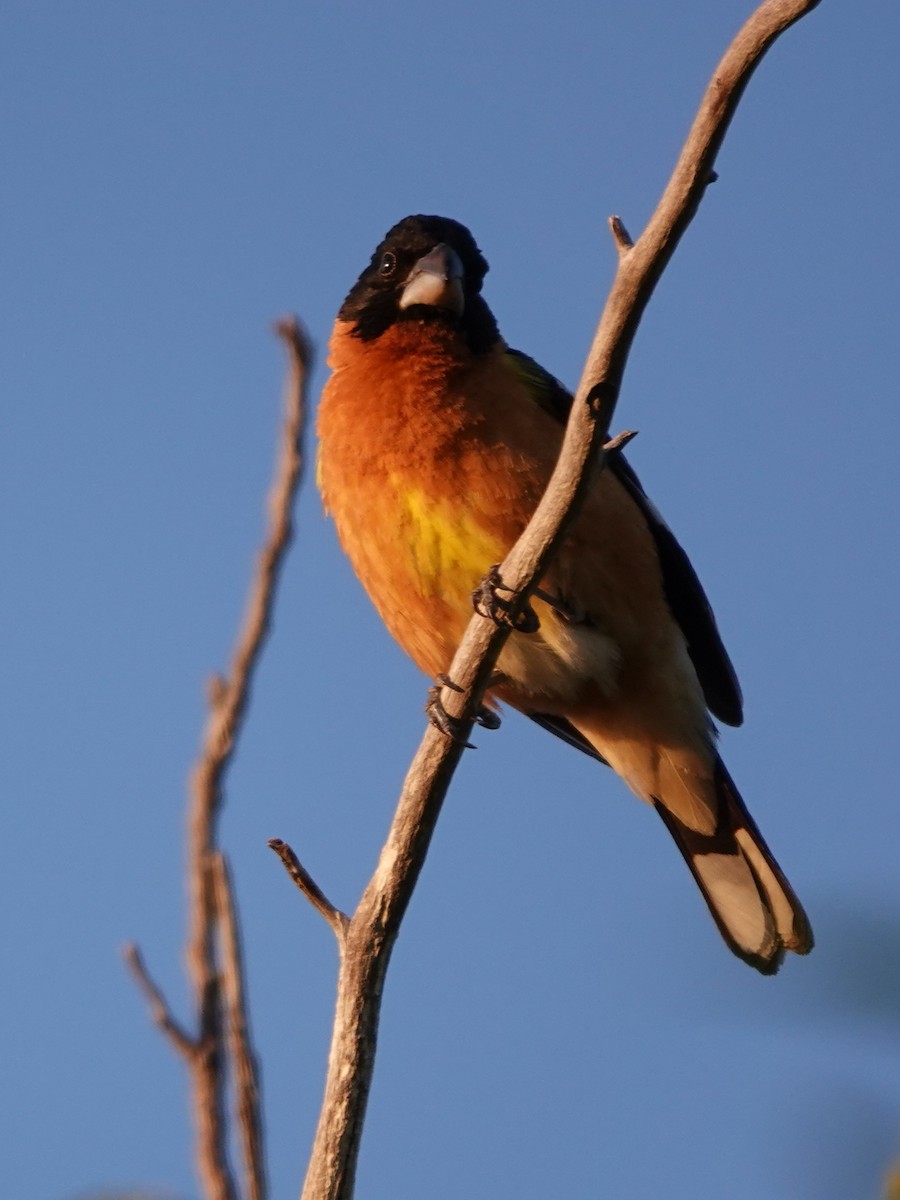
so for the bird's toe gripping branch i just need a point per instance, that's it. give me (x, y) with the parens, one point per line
(451, 727)
(488, 603)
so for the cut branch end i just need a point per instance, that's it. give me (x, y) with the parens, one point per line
(621, 236)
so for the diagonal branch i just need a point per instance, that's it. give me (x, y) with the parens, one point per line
(373, 927)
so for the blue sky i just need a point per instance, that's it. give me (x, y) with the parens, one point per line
(561, 1017)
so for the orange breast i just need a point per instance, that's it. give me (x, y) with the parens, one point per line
(431, 463)
(425, 492)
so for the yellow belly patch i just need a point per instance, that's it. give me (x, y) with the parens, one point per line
(450, 550)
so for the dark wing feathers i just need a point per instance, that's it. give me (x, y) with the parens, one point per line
(684, 592)
(561, 727)
(690, 607)
(547, 391)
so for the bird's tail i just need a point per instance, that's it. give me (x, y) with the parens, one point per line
(752, 903)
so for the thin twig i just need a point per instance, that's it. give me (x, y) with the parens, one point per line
(243, 1061)
(373, 927)
(160, 1012)
(310, 889)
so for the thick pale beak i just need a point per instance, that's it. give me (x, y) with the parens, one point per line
(436, 280)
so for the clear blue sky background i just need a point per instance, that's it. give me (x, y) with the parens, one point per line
(561, 1018)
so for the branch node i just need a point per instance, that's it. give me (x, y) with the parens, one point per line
(601, 400)
(310, 889)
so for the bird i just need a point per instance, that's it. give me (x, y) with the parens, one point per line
(436, 442)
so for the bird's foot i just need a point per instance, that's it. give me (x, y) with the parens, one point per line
(452, 727)
(488, 603)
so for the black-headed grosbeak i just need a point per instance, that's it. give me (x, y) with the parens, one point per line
(436, 444)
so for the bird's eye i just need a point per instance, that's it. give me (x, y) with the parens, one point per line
(387, 265)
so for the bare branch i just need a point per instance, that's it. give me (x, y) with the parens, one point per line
(640, 270)
(228, 697)
(237, 1030)
(310, 889)
(210, 896)
(228, 703)
(160, 1013)
(373, 927)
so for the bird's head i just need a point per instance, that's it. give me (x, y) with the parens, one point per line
(427, 269)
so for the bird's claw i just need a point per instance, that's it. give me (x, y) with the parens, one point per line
(487, 718)
(488, 603)
(451, 727)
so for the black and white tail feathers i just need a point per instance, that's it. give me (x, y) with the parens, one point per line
(752, 903)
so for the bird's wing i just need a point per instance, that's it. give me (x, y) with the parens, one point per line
(563, 729)
(684, 592)
(547, 391)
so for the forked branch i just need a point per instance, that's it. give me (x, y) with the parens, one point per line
(221, 1047)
